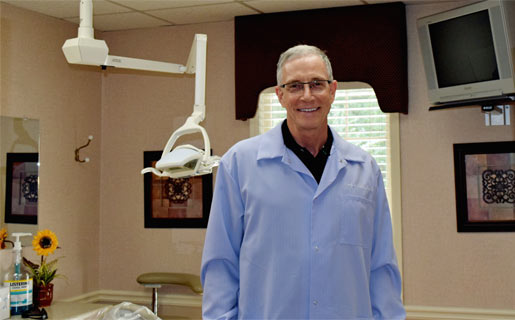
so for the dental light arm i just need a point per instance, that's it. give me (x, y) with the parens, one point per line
(184, 160)
(85, 49)
(187, 160)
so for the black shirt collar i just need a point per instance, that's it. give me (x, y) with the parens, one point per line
(316, 164)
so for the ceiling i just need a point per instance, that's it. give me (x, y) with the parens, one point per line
(111, 15)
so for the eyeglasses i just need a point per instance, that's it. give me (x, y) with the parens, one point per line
(315, 86)
(35, 313)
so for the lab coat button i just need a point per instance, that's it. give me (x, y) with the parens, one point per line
(317, 248)
(315, 302)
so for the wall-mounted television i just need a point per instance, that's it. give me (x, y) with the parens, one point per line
(468, 53)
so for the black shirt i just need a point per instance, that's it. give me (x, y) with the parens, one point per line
(315, 164)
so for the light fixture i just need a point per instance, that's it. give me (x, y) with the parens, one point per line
(184, 160)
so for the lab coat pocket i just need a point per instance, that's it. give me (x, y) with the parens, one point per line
(356, 222)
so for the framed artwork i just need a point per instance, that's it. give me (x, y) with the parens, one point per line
(21, 188)
(485, 192)
(175, 203)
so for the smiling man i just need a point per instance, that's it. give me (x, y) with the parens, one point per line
(300, 226)
(307, 93)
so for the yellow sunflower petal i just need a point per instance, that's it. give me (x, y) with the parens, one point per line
(45, 242)
(3, 236)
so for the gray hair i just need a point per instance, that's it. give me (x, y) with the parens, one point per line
(302, 50)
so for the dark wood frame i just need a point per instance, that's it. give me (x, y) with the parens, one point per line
(464, 224)
(149, 159)
(10, 193)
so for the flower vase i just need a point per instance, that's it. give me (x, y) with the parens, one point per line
(43, 295)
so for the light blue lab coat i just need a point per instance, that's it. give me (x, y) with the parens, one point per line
(281, 246)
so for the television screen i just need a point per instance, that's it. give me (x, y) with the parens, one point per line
(463, 50)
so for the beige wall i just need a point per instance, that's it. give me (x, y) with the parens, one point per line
(36, 82)
(443, 267)
(97, 208)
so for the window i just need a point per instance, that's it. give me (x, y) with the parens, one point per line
(356, 116)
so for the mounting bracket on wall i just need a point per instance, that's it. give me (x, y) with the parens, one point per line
(495, 109)
(497, 115)
(491, 101)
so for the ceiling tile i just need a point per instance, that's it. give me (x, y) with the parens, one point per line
(268, 6)
(208, 13)
(123, 21)
(65, 8)
(410, 2)
(165, 4)
(112, 15)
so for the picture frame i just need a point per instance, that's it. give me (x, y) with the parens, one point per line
(21, 188)
(175, 203)
(484, 181)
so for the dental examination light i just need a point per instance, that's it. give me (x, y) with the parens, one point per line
(184, 160)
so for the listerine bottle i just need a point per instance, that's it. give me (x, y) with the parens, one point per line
(19, 281)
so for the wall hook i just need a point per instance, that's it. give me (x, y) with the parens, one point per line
(77, 157)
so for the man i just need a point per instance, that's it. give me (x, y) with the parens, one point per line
(300, 226)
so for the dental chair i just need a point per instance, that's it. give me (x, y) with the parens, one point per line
(156, 280)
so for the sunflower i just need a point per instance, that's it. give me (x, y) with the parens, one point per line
(3, 236)
(45, 242)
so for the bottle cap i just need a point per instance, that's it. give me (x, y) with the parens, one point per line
(17, 235)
